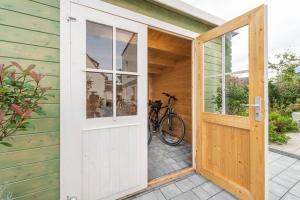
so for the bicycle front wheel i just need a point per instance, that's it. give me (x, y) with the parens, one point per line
(172, 129)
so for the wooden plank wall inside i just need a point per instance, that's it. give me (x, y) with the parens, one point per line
(170, 71)
(30, 35)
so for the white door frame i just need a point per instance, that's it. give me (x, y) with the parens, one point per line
(65, 69)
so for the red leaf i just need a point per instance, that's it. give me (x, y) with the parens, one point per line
(17, 109)
(29, 68)
(27, 113)
(13, 75)
(2, 114)
(36, 76)
(17, 65)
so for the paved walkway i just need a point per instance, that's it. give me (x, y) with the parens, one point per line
(284, 184)
(292, 146)
(164, 159)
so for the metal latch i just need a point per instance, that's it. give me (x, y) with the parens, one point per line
(72, 198)
(257, 106)
(71, 19)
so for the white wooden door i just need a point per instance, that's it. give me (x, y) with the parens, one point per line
(108, 143)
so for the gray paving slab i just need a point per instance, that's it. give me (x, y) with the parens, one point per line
(284, 184)
(164, 159)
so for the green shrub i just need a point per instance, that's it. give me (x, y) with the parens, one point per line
(279, 125)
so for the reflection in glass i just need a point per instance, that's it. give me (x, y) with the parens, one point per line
(226, 73)
(236, 72)
(213, 76)
(99, 101)
(99, 46)
(126, 95)
(126, 50)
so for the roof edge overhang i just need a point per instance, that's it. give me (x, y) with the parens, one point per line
(188, 9)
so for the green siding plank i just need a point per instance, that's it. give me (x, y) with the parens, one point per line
(20, 20)
(43, 67)
(29, 171)
(51, 110)
(41, 125)
(31, 8)
(54, 3)
(50, 194)
(52, 100)
(9, 49)
(158, 12)
(22, 157)
(33, 185)
(21, 142)
(50, 81)
(19, 35)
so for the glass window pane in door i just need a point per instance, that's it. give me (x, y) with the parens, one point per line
(237, 72)
(126, 50)
(213, 75)
(99, 46)
(126, 95)
(99, 95)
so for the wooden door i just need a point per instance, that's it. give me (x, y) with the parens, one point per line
(107, 147)
(232, 105)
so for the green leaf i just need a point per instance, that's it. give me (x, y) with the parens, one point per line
(6, 144)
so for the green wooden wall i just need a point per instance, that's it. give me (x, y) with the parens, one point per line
(29, 34)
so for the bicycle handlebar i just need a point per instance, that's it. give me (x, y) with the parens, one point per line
(171, 96)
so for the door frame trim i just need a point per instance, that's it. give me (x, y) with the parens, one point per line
(65, 69)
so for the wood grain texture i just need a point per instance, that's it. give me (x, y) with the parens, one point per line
(231, 149)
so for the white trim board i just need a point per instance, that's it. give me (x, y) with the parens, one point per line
(122, 12)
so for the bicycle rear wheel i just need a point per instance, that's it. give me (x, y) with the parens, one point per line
(172, 129)
(150, 127)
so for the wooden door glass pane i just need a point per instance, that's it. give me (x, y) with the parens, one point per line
(226, 73)
(213, 75)
(99, 46)
(126, 95)
(126, 50)
(99, 95)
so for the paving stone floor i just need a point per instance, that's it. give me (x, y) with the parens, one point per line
(164, 159)
(284, 177)
(284, 184)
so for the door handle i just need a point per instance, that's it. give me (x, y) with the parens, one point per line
(257, 107)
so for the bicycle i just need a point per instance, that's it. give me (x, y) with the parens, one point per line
(170, 126)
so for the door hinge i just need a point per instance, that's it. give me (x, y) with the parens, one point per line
(71, 19)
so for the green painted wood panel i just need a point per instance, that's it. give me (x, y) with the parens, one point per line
(29, 186)
(48, 194)
(43, 67)
(54, 3)
(23, 157)
(31, 8)
(13, 34)
(21, 142)
(30, 35)
(29, 171)
(146, 7)
(29, 22)
(16, 50)
(41, 125)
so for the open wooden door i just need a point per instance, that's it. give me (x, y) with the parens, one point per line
(232, 105)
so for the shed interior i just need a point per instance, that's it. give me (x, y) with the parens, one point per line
(170, 70)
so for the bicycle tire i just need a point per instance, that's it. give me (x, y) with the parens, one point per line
(149, 131)
(182, 132)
